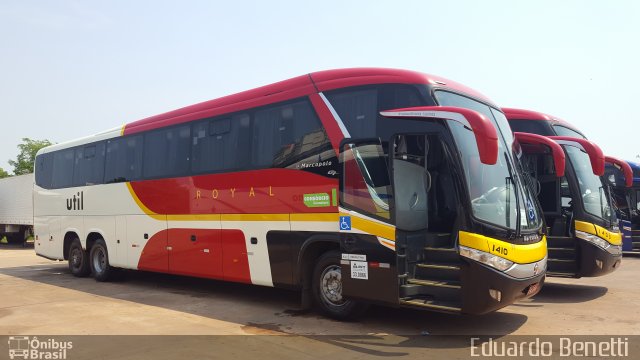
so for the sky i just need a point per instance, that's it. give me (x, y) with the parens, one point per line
(74, 68)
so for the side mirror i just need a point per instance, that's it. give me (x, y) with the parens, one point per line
(559, 160)
(596, 156)
(624, 167)
(483, 128)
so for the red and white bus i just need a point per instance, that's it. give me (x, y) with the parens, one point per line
(353, 186)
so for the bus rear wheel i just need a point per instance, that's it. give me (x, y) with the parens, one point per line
(99, 261)
(78, 259)
(327, 289)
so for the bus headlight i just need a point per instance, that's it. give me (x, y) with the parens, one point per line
(594, 239)
(494, 261)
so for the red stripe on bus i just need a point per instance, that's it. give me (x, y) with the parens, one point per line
(266, 191)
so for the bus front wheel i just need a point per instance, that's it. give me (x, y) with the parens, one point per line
(327, 289)
(78, 259)
(99, 260)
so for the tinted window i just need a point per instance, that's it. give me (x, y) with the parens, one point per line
(530, 126)
(565, 131)
(62, 174)
(123, 159)
(222, 144)
(359, 108)
(89, 164)
(166, 152)
(283, 134)
(44, 170)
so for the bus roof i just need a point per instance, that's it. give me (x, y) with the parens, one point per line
(297, 87)
(522, 114)
(280, 91)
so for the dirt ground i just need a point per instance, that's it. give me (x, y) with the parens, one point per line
(41, 297)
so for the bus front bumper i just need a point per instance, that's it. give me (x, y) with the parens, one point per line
(486, 289)
(596, 261)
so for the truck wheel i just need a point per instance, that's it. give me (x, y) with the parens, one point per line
(78, 259)
(99, 260)
(327, 289)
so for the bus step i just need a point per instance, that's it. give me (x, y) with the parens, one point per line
(430, 304)
(437, 289)
(565, 266)
(562, 253)
(436, 283)
(452, 267)
(561, 242)
(562, 274)
(440, 254)
(440, 240)
(438, 271)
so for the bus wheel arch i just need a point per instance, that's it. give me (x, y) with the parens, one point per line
(69, 238)
(327, 291)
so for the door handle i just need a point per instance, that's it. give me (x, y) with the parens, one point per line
(193, 238)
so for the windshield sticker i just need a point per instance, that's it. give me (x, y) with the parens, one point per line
(530, 210)
(316, 200)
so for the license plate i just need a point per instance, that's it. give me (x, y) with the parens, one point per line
(533, 289)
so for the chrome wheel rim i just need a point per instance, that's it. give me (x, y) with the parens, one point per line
(99, 260)
(331, 285)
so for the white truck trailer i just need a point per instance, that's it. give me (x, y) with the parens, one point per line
(16, 207)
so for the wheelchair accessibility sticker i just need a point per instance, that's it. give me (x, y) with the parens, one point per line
(345, 222)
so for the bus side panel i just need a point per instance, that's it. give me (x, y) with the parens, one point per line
(379, 282)
(147, 243)
(195, 252)
(71, 224)
(235, 259)
(106, 227)
(254, 232)
(55, 248)
(41, 234)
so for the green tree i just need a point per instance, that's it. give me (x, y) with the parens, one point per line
(27, 155)
(4, 173)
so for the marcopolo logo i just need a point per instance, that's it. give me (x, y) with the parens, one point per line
(25, 347)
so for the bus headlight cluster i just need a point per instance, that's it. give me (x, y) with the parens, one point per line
(594, 239)
(494, 261)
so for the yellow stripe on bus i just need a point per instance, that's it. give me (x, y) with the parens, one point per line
(372, 227)
(610, 236)
(521, 254)
(319, 217)
(254, 217)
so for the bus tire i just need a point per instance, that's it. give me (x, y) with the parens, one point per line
(99, 261)
(78, 259)
(327, 289)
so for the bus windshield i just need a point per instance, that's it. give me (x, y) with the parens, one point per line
(592, 191)
(497, 193)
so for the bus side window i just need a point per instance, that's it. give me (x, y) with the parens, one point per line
(286, 133)
(44, 169)
(166, 152)
(62, 169)
(89, 164)
(123, 159)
